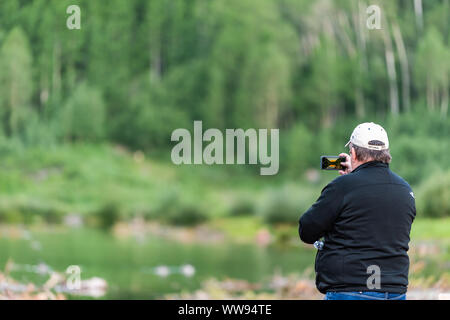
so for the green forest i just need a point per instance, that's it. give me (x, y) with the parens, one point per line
(136, 70)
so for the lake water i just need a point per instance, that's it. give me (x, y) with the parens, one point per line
(127, 264)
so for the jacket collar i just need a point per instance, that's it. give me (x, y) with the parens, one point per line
(372, 164)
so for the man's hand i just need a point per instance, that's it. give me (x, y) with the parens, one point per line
(347, 164)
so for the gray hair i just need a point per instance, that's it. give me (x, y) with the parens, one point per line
(364, 154)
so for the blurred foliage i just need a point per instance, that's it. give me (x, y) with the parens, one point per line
(434, 195)
(83, 115)
(23, 212)
(106, 216)
(175, 208)
(185, 214)
(243, 205)
(286, 204)
(137, 70)
(15, 81)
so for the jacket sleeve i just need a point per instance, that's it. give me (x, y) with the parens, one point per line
(319, 219)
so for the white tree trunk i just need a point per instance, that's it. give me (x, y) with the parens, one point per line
(404, 67)
(444, 102)
(351, 51)
(155, 64)
(390, 65)
(418, 10)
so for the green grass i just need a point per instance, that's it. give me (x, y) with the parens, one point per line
(247, 227)
(78, 178)
(45, 183)
(424, 228)
(86, 178)
(239, 228)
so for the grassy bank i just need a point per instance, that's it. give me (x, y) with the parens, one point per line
(104, 184)
(109, 183)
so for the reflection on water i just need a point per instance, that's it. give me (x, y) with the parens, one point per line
(144, 270)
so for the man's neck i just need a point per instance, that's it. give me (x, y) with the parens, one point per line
(358, 163)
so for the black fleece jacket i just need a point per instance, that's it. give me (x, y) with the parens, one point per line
(365, 219)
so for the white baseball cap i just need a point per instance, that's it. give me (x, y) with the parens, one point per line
(365, 133)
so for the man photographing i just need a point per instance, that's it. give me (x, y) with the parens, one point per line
(364, 217)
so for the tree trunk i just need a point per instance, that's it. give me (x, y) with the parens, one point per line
(358, 18)
(351, 51)
(13, 104)
(359, 102)
(418, 10)
(404, 67)
(390, 65)
(56, 76)
(429, 95)
(44, 91)
(155, 64)
(435, 97)
(444, 102)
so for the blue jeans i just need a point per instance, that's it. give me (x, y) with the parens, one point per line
(364, 295)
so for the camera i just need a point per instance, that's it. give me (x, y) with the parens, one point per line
(332, 163)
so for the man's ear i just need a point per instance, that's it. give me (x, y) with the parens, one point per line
(353, 154)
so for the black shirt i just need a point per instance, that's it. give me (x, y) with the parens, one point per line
(365, 218)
